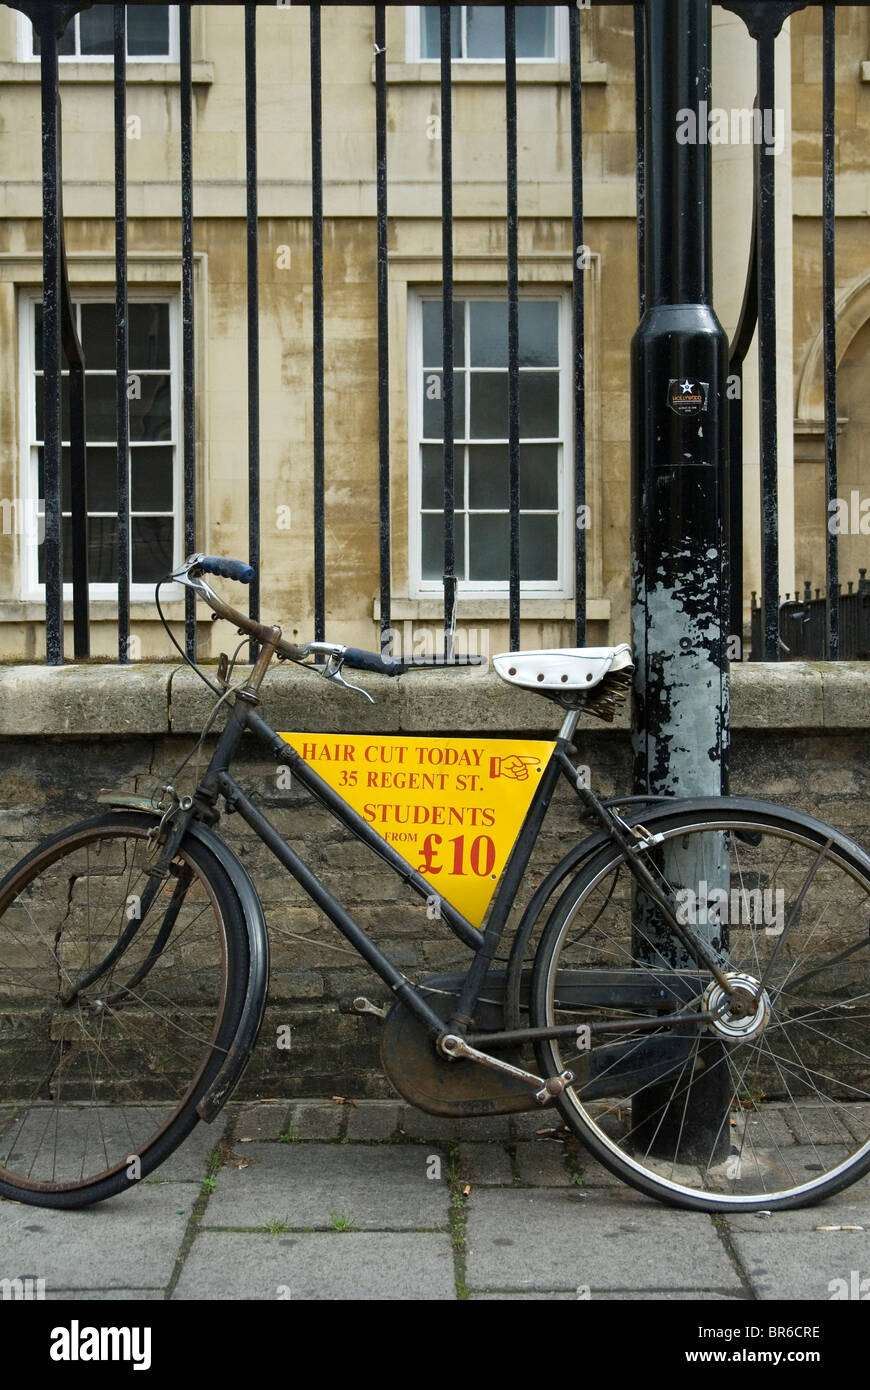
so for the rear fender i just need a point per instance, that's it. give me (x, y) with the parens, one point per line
(657, 810)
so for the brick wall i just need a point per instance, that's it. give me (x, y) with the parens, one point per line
(800, 735)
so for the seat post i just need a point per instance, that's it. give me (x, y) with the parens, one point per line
(569, 724)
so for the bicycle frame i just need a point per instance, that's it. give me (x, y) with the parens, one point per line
(218, 781)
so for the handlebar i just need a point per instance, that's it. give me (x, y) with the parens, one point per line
(227, 569)
(190, 574)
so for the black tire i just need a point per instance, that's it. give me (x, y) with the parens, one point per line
(768, 1105)
(95, 1093)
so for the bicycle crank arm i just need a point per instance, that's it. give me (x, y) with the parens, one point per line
(453, 1046)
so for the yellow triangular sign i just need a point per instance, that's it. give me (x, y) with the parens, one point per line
(451, 806)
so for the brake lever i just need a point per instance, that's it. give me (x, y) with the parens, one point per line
(332, 672)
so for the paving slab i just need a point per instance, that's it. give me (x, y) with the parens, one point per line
(320, 1120)
(555, 1238)
(485, 1164)
(376, 1120)
(129, 1241)
(848, 1208)
(804, 1264)
(416, 1124)
(302, 1185)
(541, 1163)
(329, 1265)
(262, 1120)
(585, 1295)
(190, 1161)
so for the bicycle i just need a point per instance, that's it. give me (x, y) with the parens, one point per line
(696, 1000)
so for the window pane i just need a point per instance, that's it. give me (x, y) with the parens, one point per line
(99, 407)
(151, 543)
(151, 480)
(485, 31)
(98, 335)
(151, 414)
(539, 476)
(539, 333)
(433, 545)
(102, 551)
(148, 31)
(488, 543)
(430, 31)
(95, 30)
(489, 326)
(432, 342)
(488, 473)
(539, 404)
(536, 31)
(433, 477)
(148, 337)
(40, 407)
(489, 405)
(539, 547)
(433, 406)
(102, 479)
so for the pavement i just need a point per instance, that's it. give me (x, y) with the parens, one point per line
(326, 1200)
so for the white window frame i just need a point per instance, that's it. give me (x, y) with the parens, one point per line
(413, 41)
(31, 589)
(26, 54)
(563, 586)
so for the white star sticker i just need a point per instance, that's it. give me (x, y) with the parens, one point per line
(686, 387)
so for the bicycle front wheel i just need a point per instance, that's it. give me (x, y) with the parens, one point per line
(765, 1101)
(100, 1077)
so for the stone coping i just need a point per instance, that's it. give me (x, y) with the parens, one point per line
(157, 698)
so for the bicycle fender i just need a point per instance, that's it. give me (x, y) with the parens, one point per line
(254, 1005)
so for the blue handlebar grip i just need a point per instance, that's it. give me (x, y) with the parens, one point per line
(227, 569)
(370, 661)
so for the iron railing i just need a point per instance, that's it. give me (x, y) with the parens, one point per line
(60, 343)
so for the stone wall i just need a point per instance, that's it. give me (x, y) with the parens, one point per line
(800, 735)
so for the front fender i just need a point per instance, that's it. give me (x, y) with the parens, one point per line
(258, 953)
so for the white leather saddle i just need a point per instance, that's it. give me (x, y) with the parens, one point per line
(572, 674)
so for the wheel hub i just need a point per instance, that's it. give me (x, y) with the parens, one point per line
(741, 1014)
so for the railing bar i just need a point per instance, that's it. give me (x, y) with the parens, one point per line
(383, 326)
(579, 383)
(253, 315)
(122, 416)
(447, 336)
(640, 152)
(51, 345)
(510, 86)
(187, 320)
(830, 329)
(767, 362)
(318, 433)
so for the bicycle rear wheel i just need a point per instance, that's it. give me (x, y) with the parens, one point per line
(97, 1090)
(766, 1105)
